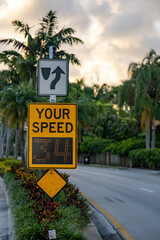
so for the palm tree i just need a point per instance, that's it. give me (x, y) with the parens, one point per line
(144, 86)
(13, 105)
(38, 46)
(18, 68)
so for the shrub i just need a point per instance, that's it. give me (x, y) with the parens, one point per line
(111, 148)
(111, 126)
(25, 224)
(10, 158)
(2, 164)
(12, 162)
(138, 158)
(125, 146)
(93, 145)
(2, 159)
(2, 171)
(5, 165)
(145, 158)
(35, 214)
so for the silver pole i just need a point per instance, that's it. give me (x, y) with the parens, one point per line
(52, 55)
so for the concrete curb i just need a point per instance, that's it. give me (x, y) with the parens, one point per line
(104, 227)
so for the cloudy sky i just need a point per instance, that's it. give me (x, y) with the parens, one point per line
(115, 32)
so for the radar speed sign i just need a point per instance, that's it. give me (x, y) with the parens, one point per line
(52, 135)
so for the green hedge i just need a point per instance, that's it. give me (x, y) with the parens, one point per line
(125, 146)
(145, 158)
(6, 164)
(12, 162)
(93, 144)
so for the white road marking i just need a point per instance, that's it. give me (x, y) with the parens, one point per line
(147, 190)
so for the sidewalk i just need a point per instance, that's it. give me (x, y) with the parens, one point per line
(5, 216)
(91, 232)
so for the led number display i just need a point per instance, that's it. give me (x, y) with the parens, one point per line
(52, 150)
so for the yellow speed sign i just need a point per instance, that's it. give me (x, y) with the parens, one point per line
(52, 135)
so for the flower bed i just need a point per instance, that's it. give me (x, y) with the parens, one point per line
(34, 214)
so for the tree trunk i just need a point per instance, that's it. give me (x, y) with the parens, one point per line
(8, 141)
(3, 141)
(31, 81)
(147, 136)
(25, 148)
(153, 134)
(22, 149)
(22, 143)
(16, 142)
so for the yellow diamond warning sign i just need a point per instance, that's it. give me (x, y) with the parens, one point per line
(51, 183)
(52, 135)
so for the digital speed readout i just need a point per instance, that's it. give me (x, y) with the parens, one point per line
(52, 150)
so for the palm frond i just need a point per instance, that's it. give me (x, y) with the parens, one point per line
(16, 44)
(21, 27)
(133, 67)
(48, 23)
(149, 59)
(126, 94)
(65, 36)
(11, 53)
(71, 40)
(70, 57)
(4, 59)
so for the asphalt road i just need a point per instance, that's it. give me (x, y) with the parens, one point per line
(131, 196)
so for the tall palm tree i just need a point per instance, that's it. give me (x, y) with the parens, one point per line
(46, 35)
(150, 83)
(13, 105)
(144, 83)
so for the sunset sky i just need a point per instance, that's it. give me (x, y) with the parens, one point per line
(115, 32)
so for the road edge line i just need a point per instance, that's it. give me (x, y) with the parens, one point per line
(113, 221)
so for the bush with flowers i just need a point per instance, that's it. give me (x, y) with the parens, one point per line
(34, 213)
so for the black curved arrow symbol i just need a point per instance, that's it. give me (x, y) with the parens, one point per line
(58, 71)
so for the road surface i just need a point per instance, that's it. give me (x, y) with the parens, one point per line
(131, 196)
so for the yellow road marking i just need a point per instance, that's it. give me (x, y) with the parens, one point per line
(121, 229)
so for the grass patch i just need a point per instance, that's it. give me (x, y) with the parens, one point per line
(34, 214)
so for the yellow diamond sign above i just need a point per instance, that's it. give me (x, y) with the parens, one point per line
(51, 183)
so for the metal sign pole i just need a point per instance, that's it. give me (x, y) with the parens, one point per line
(52, 55)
